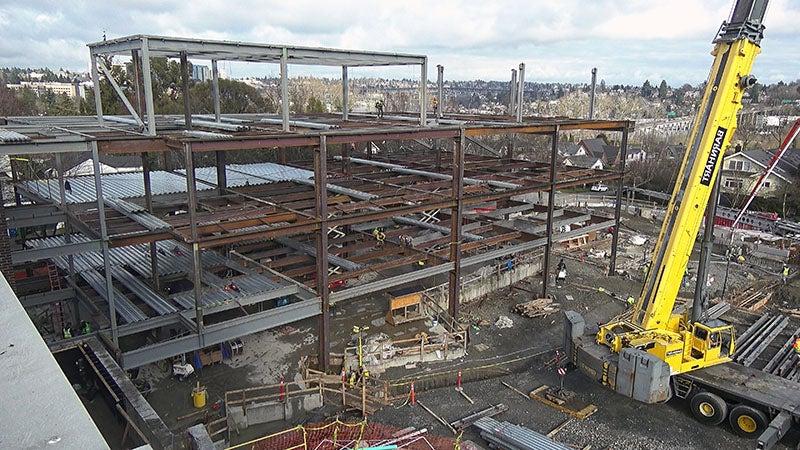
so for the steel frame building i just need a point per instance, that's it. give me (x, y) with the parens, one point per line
(260, 226)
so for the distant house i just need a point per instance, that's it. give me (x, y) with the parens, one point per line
(598, 148)
(584, 161)
(568, 149)
(741, 170)
(635, 154)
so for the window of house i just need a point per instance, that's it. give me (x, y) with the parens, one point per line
(733, 183)
(736, 165)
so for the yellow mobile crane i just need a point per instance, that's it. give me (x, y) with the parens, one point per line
(653, 326)
(653, 352)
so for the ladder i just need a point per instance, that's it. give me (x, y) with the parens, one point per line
(56, 309)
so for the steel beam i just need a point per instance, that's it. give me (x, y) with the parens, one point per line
(321, 212)
(121, 95)
(623, 152)
(221, 332)
(45, 298)
(38, 254)
(456, 219)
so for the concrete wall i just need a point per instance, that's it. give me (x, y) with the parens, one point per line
(270, 411)
(483, 282)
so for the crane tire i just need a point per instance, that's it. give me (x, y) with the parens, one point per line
(747, 421)
(708, 408)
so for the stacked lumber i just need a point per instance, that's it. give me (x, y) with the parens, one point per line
(540, 307)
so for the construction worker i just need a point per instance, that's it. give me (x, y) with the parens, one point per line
(379, 236)
(86, 327)
(796, 346)
(67, 187)
(561, 271)
(67, 331)
(785, 273)
(435, 104)
(631, 301)
(379, 108)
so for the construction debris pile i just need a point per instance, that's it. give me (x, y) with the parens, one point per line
(540, 307)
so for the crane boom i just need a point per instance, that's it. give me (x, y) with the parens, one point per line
(736, 47)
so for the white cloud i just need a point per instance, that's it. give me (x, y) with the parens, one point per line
(627, 39)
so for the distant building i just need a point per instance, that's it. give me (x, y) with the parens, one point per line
(71, 90)
(584, 161)
(598, 148)
(201, 73)
(568, 149)
(635, 154)
(741, 170)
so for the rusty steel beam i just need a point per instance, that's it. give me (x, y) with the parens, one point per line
(551, 199)
(456, 219)
(623, 151)
(321, 212)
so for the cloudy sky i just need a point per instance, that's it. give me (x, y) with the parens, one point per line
(628, 40)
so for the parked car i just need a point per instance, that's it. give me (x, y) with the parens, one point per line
(599, 187)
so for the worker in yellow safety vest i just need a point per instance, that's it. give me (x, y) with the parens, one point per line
(379, 236)
(797, 346)
(785, 273)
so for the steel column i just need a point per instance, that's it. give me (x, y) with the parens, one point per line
(592, 93)
(98, 101)
(520, 91)
(623, 152)
(321, 212)
(222, 174)
(699, 304)
(285, 88)
(215, 89)
(439, 90)
(423, 89)
(101, 214)
(345, 94)
(512, 93)
(136, 62)
(191, 189)
(148, 203)
(187, 105)
(456, 217)
(147, 77)
(551, 201)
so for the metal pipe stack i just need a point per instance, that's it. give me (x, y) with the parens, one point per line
(514, 437)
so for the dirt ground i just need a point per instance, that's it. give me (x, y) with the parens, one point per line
(619, 423)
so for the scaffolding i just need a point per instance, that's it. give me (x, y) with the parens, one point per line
(247, 235)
